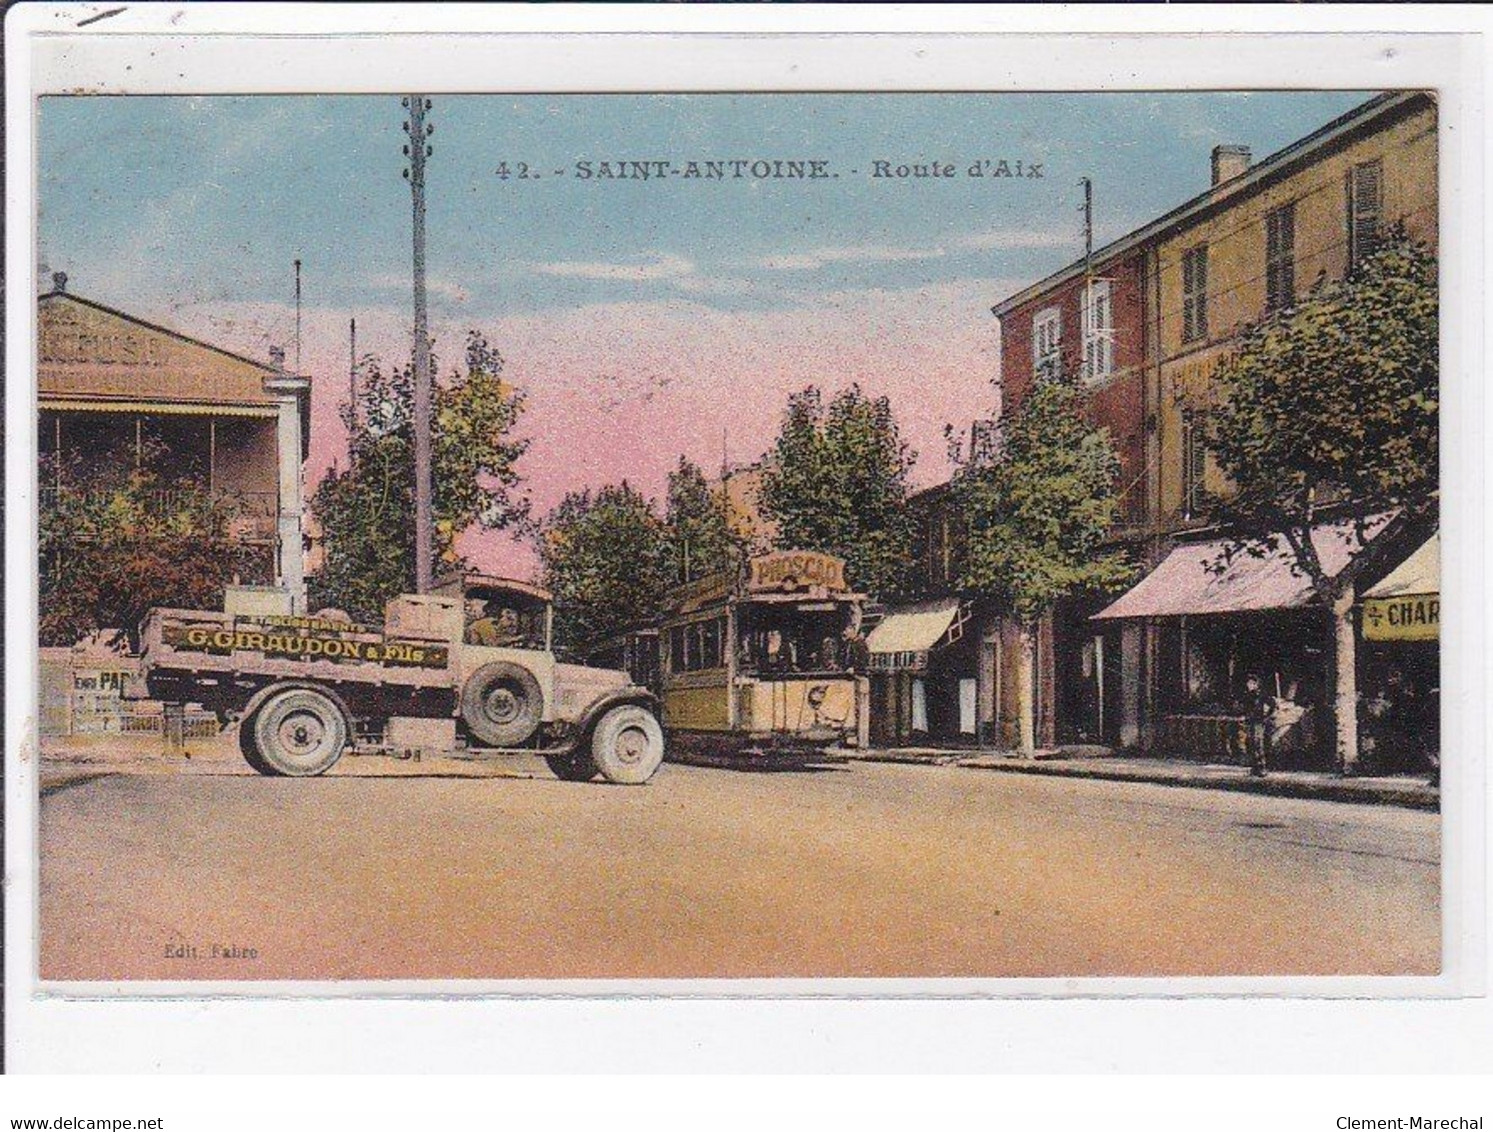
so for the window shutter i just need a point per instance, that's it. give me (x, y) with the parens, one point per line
(1365, 209)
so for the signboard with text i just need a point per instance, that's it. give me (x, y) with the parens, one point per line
(1414, 617)
(791, 571)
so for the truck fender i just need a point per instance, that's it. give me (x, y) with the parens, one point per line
(598, 708)
(258, 698)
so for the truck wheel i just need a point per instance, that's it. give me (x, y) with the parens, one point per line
(501, 704)
(627, 745)
(572, 766)
(298, 732)
(248, 749)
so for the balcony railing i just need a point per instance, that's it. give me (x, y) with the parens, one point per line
(252, 515)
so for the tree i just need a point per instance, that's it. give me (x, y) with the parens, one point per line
(117, 539)
(836, 481)
(606, 560)
(366, 510)
(1329, 411)
(700, 539)
(1038, 505)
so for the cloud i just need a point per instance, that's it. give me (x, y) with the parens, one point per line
(441, 288)
(999, 238)
(860, 253)
(1019, 238)
(658, 267)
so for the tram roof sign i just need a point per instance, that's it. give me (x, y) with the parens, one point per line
(796, 571)
(779, 575)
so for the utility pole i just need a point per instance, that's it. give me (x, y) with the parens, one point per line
(352, 374)
(298, 317)
(417, 150)
(1090, 345)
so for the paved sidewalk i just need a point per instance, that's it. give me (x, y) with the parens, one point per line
(1412, 792)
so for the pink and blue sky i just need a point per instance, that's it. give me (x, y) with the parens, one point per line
(644, 320)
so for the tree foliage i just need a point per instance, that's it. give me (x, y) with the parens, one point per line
(606, 559)
(700, 538)
(836, 481)
(366, 510)
(117, 539)
(1331, 407)
(1038, 506)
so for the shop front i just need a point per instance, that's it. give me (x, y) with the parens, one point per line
(924, 676)
(1400, 666)
(1214, 616)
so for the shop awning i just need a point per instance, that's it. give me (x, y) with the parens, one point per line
(1418, 574)
(1192, 580)
(1406, 605)
(913, 628)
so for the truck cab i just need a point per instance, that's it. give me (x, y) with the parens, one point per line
(504, 661)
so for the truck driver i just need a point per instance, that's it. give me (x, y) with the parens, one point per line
(493, 626)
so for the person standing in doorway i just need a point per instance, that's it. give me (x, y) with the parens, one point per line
(1257, 721)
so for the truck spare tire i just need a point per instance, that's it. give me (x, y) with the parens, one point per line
(501, 704)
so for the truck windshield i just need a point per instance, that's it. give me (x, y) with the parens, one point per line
(504, 623)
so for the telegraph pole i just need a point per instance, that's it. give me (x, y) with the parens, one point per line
(298, 318)
(1088, 272)
(352, 374)
(417, 150)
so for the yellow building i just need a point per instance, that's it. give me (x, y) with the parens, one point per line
(1255, 243)
(1260, 239)
(110, 385)
(1163, 667)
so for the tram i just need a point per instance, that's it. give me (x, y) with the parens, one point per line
(764, 664)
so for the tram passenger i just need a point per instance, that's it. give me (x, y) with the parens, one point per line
(857, 653)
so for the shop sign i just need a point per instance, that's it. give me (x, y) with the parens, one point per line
(1415, 617)
(790, 571)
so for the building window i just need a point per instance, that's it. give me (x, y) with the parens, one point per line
(1194, 465)
(1098, 332)
(1280, 257)
(984, 441)
(1365, 210)
(1195, 293)
(1047, 345)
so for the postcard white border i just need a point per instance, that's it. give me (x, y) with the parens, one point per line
(902, 1023)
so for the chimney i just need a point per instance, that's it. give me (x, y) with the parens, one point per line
(59, 281)
(277, 357)
(1229, 161)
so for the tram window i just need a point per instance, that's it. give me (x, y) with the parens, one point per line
(710, 643)
(696, 646)
(792, 639)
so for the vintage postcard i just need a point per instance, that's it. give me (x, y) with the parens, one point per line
(495, 535)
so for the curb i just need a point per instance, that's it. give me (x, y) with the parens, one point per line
(952, 758)
(1409, 798)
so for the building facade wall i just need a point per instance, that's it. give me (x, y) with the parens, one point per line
(1163, 373)
(112, 388)
(1235, 236)
(1118, 401)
